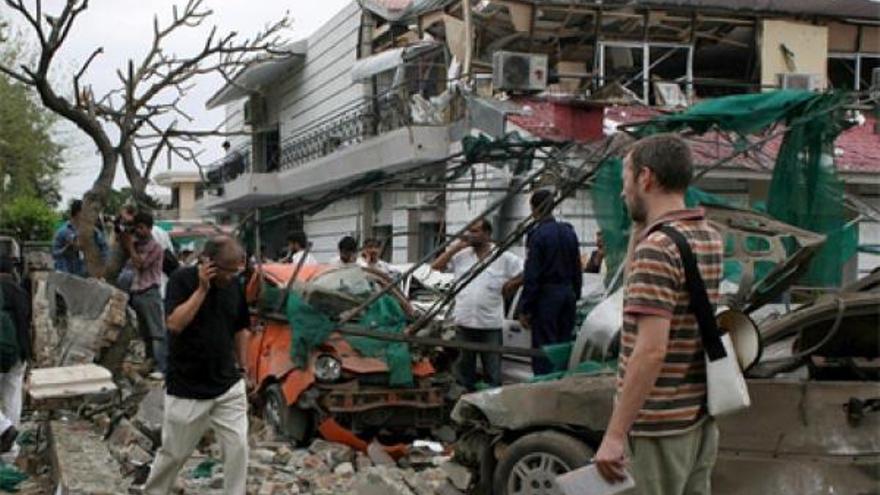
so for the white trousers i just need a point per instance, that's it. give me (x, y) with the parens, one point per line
(185, 421)
(10, 394)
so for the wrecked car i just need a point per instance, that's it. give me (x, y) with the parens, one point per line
(338, 392)
(814, 423)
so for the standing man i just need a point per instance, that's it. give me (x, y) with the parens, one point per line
(479, 307)
(15, 324)
(145, 257)
(208, 321)
(661, 385)
(296, 248)
(552, 280)
(370, 258)
(66, 250)
(347, 256)
(595, 262)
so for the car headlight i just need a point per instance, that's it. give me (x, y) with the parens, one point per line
(327, 368)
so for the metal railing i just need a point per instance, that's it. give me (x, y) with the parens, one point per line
(357, 123)
(229, 167)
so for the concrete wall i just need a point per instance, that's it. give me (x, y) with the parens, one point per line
(187, 198)
(321, 85)
(808, 42)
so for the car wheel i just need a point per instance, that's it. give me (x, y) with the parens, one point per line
(284, 421)
(531, 464)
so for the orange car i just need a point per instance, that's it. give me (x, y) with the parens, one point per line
(340, 394)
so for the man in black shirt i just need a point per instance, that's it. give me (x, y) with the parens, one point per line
(207, 319)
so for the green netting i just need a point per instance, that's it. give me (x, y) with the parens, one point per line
(10, 478)
(310, 328)
(805, 190)
(205, 469)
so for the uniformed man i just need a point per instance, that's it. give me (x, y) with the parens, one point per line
(551, 281)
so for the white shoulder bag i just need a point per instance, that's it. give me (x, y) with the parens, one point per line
(726, 387)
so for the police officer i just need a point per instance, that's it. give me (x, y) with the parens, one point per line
(551, 280)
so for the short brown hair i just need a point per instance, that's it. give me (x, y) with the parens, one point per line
(668, 156)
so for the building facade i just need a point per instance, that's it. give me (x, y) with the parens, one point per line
(389, 88)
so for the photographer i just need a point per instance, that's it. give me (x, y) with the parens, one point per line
(479, 307)
(145, 256)
(207, 320)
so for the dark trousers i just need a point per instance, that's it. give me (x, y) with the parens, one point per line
(552, 322)
(467, 361)
(151, 323)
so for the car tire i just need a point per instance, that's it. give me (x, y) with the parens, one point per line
(530, 464)
(285, 422)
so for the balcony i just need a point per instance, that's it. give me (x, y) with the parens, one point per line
(388, 133)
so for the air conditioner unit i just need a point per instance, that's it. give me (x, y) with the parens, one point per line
(255, 111)
(519, 71)
(810, 82)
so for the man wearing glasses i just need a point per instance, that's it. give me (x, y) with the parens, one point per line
(207, 320)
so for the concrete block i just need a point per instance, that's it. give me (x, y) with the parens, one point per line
(82, 462)
(70, 381)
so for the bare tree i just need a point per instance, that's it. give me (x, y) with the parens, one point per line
(140, 121)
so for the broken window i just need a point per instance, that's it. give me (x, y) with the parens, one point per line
(636, 65)
(851, 71)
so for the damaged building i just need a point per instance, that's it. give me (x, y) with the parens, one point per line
(388, 87)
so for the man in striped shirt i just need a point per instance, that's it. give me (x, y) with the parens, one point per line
(659, 426)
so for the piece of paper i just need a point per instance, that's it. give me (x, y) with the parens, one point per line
(588, 481)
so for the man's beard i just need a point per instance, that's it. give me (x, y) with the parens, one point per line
(637, 210)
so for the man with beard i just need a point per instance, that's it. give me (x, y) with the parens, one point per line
(659, 426)
(479, 307)
(552, 280)
(207, 319)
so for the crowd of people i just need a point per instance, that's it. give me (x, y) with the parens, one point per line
(193, 318)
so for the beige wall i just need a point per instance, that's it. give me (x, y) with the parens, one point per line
(187, 207)
(808, 42)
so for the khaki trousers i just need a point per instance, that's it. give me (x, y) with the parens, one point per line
(675, 465)
(185, 421)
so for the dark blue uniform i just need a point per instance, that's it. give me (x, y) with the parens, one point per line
(551, 285)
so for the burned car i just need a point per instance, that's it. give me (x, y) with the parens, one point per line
(337, 391)
(814, 423)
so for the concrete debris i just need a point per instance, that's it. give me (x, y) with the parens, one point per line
(50, 387)
(378, 455)
(332, 453)
(82, 461)
(458, 475)
(91, 322)
(150, 412)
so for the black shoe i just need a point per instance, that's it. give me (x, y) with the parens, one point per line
(7, 439)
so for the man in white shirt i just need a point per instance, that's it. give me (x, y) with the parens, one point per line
(369, 258)
(296, 248)
(347, 252)
(479, 307)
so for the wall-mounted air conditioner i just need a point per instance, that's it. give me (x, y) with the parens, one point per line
(255, 111)
(519, 71)
(809, 82)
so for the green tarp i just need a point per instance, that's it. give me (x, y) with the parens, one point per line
(311, 328)
(805, 190)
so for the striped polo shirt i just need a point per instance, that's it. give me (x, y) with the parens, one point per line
(655, 285)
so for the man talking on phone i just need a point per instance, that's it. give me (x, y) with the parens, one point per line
(207, 321)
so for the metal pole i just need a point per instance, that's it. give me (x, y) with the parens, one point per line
(352, 313)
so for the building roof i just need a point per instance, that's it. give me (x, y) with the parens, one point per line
(173, 177)
(258, 75)
(857, 150)
(394, 10)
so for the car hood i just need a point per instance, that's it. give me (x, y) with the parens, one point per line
(752, 237)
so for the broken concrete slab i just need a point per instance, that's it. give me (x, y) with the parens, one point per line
(53, 384)
(458, 475)
(92, 322)
(332, 453)
(151, 411)
(126, 434)
(82, 462)
(378, 455)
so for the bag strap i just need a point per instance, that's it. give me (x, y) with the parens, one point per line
(699, 304)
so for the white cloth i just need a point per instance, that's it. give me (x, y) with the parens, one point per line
(480, 304)
(10, 394)
(380, 266)
(185, 422)
(337, 261)
(294, 258)
(164, 240)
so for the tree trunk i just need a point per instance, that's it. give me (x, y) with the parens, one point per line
(93, 204)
